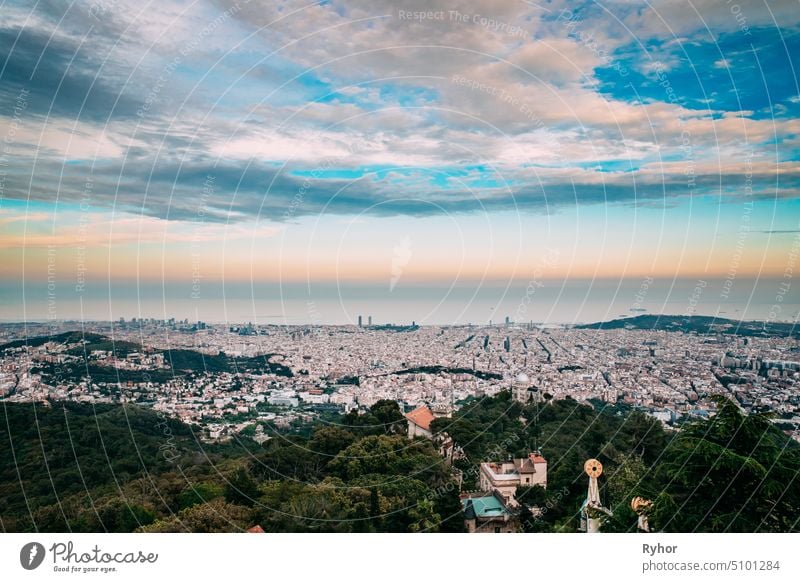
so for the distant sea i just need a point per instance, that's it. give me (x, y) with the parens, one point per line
(542, 302)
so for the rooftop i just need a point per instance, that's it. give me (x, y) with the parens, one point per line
(488, 506)
(421, 416)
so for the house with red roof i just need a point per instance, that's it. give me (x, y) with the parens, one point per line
(419, 422)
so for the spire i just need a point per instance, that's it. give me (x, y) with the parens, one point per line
(592, 511)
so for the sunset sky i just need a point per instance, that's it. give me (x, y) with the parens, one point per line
(365, 146)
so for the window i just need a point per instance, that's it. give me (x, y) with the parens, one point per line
(497, 530)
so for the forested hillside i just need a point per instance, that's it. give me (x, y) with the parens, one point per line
(73, 467)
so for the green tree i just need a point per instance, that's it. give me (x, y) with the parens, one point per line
(216, 516)
(199, 493)
(423, 517)
(330, 440)
(241, 488)
(732, 473)
(535, 495)
(389, 416)
(447, 505)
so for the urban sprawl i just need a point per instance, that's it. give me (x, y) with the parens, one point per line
(311, 370)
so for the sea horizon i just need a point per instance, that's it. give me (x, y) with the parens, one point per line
(543, 302)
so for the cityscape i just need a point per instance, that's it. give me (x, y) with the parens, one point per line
(491, 420)
(670, 375)
(399, 266)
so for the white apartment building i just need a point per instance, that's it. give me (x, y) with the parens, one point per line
(504, 477)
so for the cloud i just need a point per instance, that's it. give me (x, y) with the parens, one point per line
(670, 18)
(232, 191)
(488, 106)
(57, 76)
(99, 229)
(6, 217)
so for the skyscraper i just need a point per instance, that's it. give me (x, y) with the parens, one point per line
(359, 321)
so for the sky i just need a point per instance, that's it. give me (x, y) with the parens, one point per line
(430, 161)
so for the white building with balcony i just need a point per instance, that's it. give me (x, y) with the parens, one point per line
(504, 477)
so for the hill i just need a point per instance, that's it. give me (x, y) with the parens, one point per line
(699, 324)
(180, 361)
(76, 467)
(83, 468)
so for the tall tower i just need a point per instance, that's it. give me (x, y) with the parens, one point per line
(369, 321)
(359, 321)
(592, 511)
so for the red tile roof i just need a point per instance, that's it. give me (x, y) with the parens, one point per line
(256, 529)
(421, 416)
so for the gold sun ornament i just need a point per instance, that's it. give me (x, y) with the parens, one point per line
(593, 468)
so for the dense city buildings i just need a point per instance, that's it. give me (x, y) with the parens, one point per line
(233, 379)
